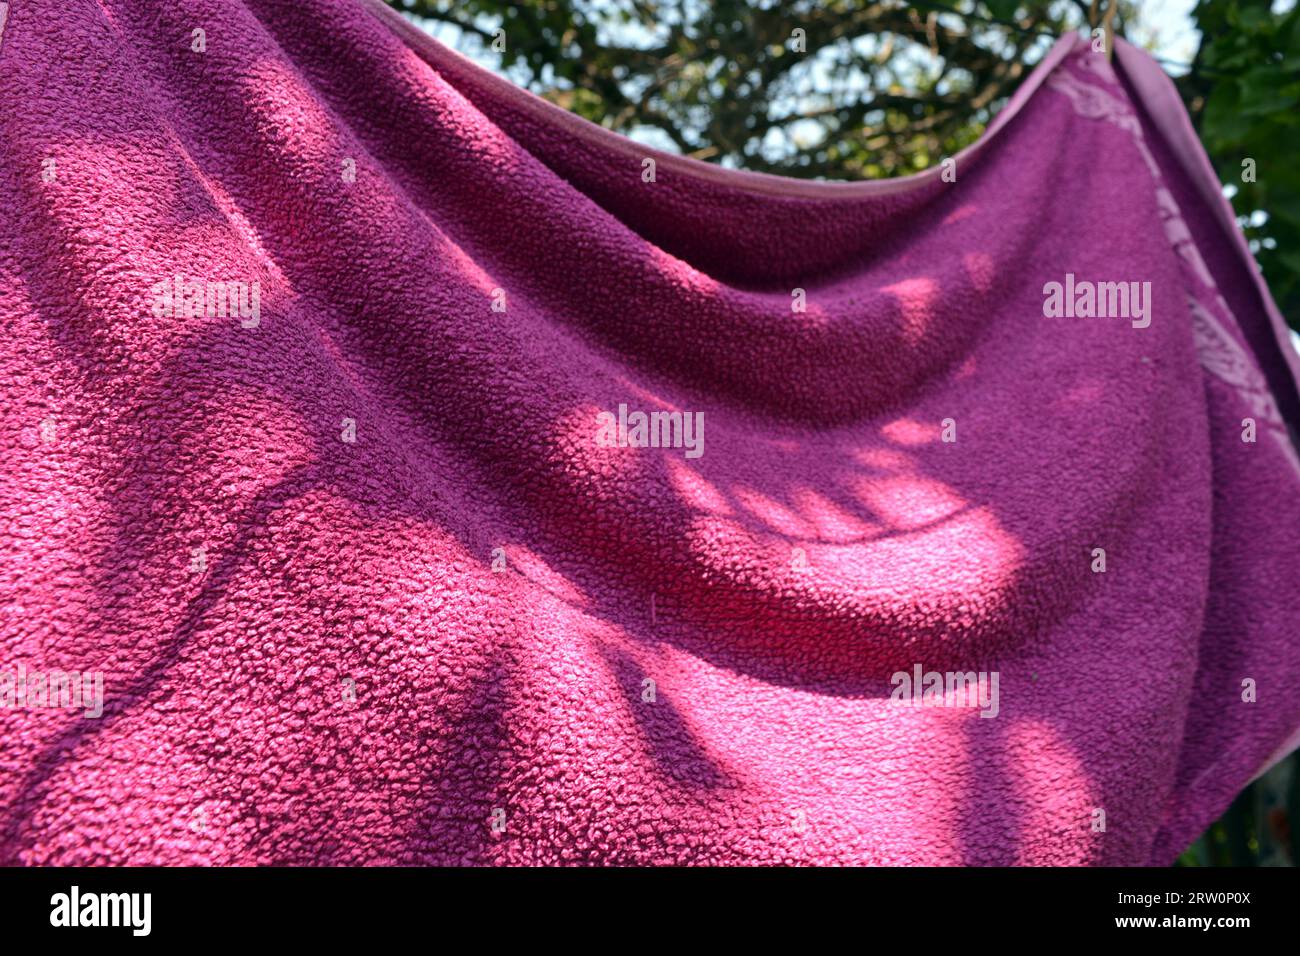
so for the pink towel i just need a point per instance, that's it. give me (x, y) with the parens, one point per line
(398, 469)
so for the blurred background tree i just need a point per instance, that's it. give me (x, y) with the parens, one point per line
(1242, 91)
(870, 90)
(867, 89)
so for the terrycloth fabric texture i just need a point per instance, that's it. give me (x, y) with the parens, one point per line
(368, 582)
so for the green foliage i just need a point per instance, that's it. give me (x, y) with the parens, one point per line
(1243, 92)
(867, 90)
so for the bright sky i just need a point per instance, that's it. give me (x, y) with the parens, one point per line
(1167, 30)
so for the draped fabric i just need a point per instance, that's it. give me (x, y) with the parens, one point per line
(397, 469)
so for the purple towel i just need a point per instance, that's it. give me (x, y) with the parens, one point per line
(398, 469)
